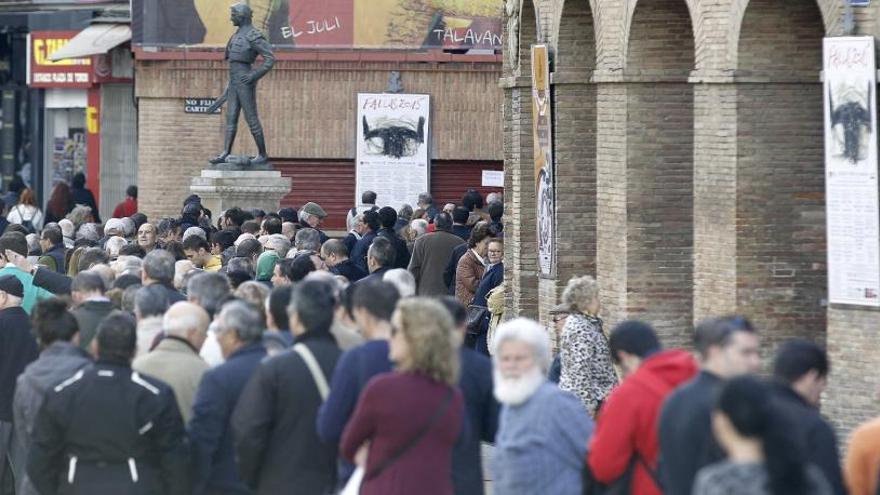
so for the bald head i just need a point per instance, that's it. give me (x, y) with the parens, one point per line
(187, 321)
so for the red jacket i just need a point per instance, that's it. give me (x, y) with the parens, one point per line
(126, 209)
(628, 420)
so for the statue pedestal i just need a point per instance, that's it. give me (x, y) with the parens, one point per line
(223, 189)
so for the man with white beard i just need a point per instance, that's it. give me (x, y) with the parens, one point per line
(543, 431)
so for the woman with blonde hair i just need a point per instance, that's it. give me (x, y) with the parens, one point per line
(406, 422)
(587, 370)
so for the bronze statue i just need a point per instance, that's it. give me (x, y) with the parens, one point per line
(241, 52)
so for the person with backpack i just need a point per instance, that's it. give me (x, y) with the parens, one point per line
(625, 445)
(26, 213)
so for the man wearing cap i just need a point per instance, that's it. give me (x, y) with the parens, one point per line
(313, 215)
(14, 244)
(18, 349)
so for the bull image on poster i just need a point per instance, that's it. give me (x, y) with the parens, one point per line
(850, 120)
(393, 143)
(852, 206)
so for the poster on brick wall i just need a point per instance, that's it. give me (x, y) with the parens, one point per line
(392, 147)
(851, 191)
(542, 123)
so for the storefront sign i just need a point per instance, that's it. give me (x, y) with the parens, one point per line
(392, 147)
(198, 105)
(853, 214)
(67, 73)
(542, 122)
(389, 24)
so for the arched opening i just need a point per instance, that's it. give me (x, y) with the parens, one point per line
(574, 113)
(781, 252)
(659, 173)
(528, 36)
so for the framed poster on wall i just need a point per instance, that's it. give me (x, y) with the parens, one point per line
(393, 144)
(851, 191)
(542, 128)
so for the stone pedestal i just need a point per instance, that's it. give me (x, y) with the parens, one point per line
(223, 189)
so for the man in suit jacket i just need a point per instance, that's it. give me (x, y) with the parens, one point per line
(430, 256)
(176, 359)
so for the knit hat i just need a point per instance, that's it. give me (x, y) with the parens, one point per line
(11, 285)
(314, 209)
(266, 265)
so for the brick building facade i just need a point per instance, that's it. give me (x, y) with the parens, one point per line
(689, 170)
(308, 106)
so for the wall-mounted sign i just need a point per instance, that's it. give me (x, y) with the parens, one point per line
(851, 189)
(392, 159)
(67, 73)
(198, 105)
(493, 178)
(542, 123)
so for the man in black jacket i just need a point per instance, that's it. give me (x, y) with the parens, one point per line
(107, 429)
(388, 219)
(158, 268)
(19, 349)
(336, 258)
(801, 374)
(274, 422)
(727, 347)
(92, 306)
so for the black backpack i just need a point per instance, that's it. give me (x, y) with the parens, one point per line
(27, 224)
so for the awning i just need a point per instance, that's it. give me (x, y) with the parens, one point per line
(94, 40)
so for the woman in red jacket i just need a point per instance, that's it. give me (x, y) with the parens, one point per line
(409, 420)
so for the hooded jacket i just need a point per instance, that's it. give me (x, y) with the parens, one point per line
(627, 423)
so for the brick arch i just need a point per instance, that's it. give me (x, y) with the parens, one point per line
(575, 33)
(781, 244)
(529, 33)
(658, 12)
(830, 10)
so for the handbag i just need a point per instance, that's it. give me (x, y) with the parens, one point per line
(475, 316)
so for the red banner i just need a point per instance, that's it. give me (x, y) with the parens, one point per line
(68, 73)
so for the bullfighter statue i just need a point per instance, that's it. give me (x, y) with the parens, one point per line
(242, 50)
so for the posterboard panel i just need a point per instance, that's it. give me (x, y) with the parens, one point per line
(853, 217)
(542, 123)
(393, 147)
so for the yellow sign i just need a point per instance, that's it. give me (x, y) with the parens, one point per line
(92, 124)
(45, 47)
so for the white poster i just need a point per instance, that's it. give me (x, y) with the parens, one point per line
(853, 216)
(392, 147)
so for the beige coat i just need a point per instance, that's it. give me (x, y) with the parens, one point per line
(175, 363)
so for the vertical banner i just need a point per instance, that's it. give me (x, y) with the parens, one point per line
(392, 147)
(853, 216)
(542, 122)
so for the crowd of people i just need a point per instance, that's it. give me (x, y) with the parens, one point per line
(252, 353)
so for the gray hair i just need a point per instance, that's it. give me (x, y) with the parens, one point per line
(580, 291)
(403, 280)
(33, 242)
(67, 228)
(159, 266)
(405, 212)
(279, 244)
(529, 332)
(128, 265)
(129, 296)
(241, 264)
(78, 215)
(307, 240)
(241, 317)
(495, 197)
(425, 198)
(128, 226)
(88, 231)
(114, 244)
(151, 300)
(194, 231)
(181, 324)
(208, 290)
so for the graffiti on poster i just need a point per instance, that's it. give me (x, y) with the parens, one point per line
(542, 121)
(851, 189)
(393, 147)
(377, 24)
